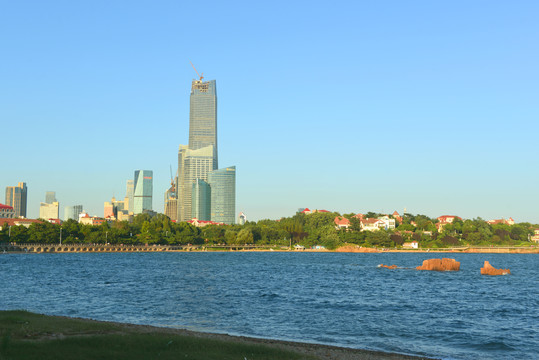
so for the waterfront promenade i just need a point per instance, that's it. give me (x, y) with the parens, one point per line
(104, 248)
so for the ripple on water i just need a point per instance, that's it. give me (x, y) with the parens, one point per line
(339, 299)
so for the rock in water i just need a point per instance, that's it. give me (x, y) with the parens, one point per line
(388, 266)
(440, 265)
(488, 269)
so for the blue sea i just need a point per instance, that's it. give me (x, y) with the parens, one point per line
(338, 299)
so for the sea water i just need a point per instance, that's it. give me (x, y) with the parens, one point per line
(340, 299)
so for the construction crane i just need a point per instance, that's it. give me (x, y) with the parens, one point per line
(199, 75)
(172, 180)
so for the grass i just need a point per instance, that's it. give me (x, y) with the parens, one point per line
(25, 335)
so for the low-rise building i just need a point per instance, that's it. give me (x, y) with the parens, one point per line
(202, 223)
(7, 212)
(371, 224)
(410, 245)
(17, 222)
(509, 221)
(397, 216)
(86, 219)
(307, 211)
(535, 238)
(444, 220)
(390, 222)
(341, 223)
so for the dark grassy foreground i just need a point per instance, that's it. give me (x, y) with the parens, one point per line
(24, 335)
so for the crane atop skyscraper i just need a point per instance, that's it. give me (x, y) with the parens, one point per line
(172, 180)
(200, 75)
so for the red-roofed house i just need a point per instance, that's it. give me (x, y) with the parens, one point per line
(341, 222)
(535, 237)
(307, 211)
(201, 223)
(383, 222)
(411, 245)
(359, 216)
(397, 217)
(447, 219)
(444, 220)
(371, 224)
(509, 221)
(6, 212)
(17, 222)
(86, 219)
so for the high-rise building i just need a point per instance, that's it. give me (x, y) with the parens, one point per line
(129, 193)
(203, 117)
(50, 197)
(242, 218)
(72, 212)
(113, 208)
(142, 195)
(201, 200)
(192, 165)
(49, 211)
(199, 159)
(16, 197)
(171, 201)
(223, 194)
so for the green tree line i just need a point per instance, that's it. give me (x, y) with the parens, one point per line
(302, 229)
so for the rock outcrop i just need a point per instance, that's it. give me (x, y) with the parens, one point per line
(388, 266)
(356, 249)
(488, 269)
(440, 265)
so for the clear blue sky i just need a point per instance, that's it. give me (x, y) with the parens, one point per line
(348, 106)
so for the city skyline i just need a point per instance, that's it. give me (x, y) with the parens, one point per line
(352, 107)
(203, 192)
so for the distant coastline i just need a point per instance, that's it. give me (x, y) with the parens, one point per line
(109, 248)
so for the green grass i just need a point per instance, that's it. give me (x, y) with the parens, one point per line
(24, 335)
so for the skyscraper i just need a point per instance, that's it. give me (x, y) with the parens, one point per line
(201, 200)
(129, 193)
(203, 116)
(16, 198)
(49, 211)
(142, 198)
(192, 165)
(50, 197)
(72, 212)
(223, 194)
(171, 201)
(198, 159)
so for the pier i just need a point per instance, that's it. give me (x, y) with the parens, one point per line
(87, 248)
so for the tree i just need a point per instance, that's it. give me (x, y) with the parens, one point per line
(245, 236)
(230, 236)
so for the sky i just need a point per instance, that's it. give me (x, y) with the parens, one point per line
(348, 106)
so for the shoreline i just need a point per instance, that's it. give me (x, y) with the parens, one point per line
(320, 351)
(108, 248)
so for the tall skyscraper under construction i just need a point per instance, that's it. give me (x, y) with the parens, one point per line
(203, 117)
(198, 159)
